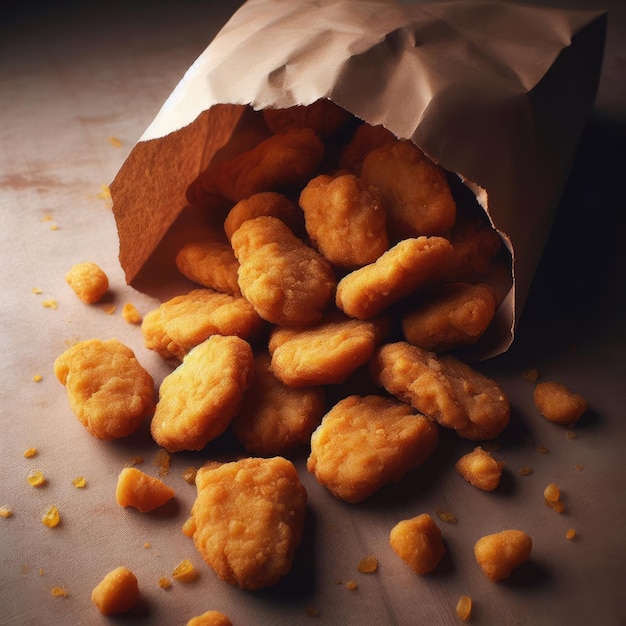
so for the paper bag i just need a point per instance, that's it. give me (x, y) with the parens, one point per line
(496, 93)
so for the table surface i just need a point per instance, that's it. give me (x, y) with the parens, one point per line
(79, 82)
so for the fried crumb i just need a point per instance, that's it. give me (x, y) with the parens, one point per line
(59, 592)
(79, 482)
(136, 460)
(578, 467)
(162, 460)
(164, 582)
(147, 545)
(189, 475)
(51, 518)
(446, 516)
(54, 227)
(104, 193)
(29, 453)
(368, 565)
(50, 304)
(185, 572)
(37, 378)
(570, 534)
(131, 314)
(464, 608)
(36, 291)
(115, 142)
(6, 512)
(109, 309)
(525, 471)
(352, 585)
(543, 450)
(571, 434)
(36, 478)
(552, 493)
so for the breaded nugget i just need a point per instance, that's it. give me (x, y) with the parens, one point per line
(475, 243)
(480, 469)
(324, 354)
(200, 397)
(365, 139)
(210, 618)
(344, 219)
(450, 316)
(409, 265)
(366, 442)
(414, 191)
(273, 417)
(443, 388)
(558, 404)
(279, 162)
(323, 116)
(248, 519)
(108, 389)
(210, 263)
(287, 282)
(418, 542)
(179, 324)
(88, 281)
(264, 203)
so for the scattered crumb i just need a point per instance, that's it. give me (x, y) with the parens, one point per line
(530, 375)
(79, 482)
(41, 571)
(36, 291)
(115, 142)
(525, 471)
(446, 516)
(368, 565)
(50, 304)
(464, 608)
(543, 450)
(5, 512)
(37, 378)
(59, 592)
(162, 460)
(29, 453)
(46, 218)
(352, 585)
(189, 475)
(552, 493)
(51, 518)
(36, 478)
(164, 582)
(109, 309)
(131, 314)
(185, 572)
(578, 467)
(104, 193)
(54, 227)
(147, 545)
(570, 534)
(136, 460)
(571, 434)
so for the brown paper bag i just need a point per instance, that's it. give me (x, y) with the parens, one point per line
(496, 93)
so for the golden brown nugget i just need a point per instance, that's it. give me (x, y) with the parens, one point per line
(200, 397)
(404, 268)
(210, 263)
(248, 519)
(558, 404)
(365, 139)
(323, 116)
(264, 203)
(344, 219)
(287, 282)
(180, 324)
(210, 618)
(141, 491)
(324, 354)
(88, 281)
(273, 417)
(414, 190)
(117, 592)
(480, 469)
(365, 442)
(443, 388)
(108, 389)
(499, 554)
(279, 162)
(418, 542)
(450, 316)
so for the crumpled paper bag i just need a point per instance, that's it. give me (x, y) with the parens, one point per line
(496, 93)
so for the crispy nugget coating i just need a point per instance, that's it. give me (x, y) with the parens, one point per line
(324, 354)
(409, 265)
(279, 162)
(88, 281)
(365, 139)
(210, 263)
(323, 116)
(248, 519)
(344, 219)
(414, 190)
(141, 491)
(499, 554)
(480, 469)
(273, 417)
(450, 316)
(178, 325)
(117, 592)
(558, 404)
(365, 442)
(443, 388)
(418, 542)
(210, 618)
(287, 282)
(264, 203)
(108, 389)
(200, 397)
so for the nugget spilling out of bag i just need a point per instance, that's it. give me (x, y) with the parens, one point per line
(198, 400)
(366, 442)
(443, 388)
(247, 519)
(108, 389)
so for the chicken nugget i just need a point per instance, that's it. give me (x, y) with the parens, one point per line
(287, 282)
(248, 519)
(210, 263)
(264, 203)
(450, 316)
(200, 397)
(442, 388)
(108, 389)
(366, 442)
(324, 354)
(277, 163)
(365, 139)
(273, 417)
(179, 324)
(344, 219)
(323, 116)
(414, 190)
(407, 266)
